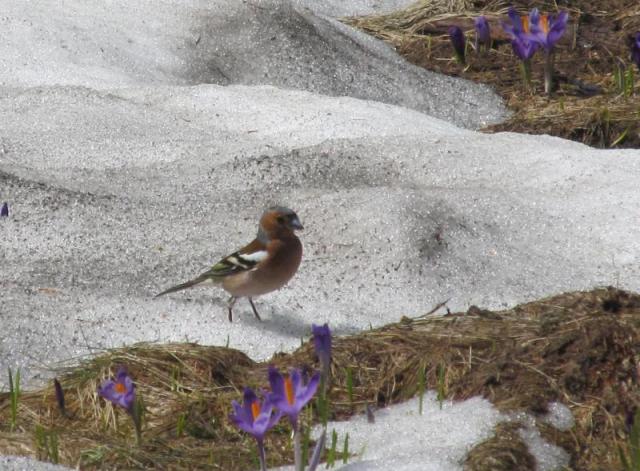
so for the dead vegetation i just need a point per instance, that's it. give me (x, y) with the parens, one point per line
(581, 349)
(588, 105)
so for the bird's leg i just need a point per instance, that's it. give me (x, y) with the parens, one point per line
(230, 303)
(255, 311)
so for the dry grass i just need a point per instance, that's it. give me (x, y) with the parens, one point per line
(505, 451)
(581, 349)
(587, 105)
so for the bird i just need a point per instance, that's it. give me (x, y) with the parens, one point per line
(262, 266)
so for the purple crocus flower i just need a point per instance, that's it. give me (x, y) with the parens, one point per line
(289, 394)
(322, 342)
(120, 391)
(522, 44)
(4, 211)
(518, 31)
(547, 30)
(483, 32)
(635, 49)
(458, 42)
(253, 416)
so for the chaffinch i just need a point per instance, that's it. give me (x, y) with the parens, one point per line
(264, 265)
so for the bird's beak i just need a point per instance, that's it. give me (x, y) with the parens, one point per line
(296, 224)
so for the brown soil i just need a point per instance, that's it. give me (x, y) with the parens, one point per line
(586, 107)
(581, 349)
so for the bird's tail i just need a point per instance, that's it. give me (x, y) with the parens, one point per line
(185, 285)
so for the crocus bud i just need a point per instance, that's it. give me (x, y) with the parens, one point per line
(483, 32)
(635, 50)
(59, 396)
(458, 42)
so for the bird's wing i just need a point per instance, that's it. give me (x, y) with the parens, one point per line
(243, 260)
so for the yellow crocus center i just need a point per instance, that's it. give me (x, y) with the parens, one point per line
(525, 23)
(255, 409)
(288, 389)
(120, 388)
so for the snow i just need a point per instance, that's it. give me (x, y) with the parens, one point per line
(438, 439)
(548, 457)
(404, 440)
(18, 463)
(139, 143)
(190, 42)
(560, 417)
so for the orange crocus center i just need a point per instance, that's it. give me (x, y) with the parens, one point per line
(255, 409)
(120, 388)
(544, 22)
(525, 23)
(288, 389)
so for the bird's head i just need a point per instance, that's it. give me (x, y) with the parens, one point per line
(278, 221)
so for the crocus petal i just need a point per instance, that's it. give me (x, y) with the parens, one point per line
(635, 50)
(278, 396)
(127, 401)
(523, 47)
(305, 394)
(515, 28)
(263, 423)
(534, 18)
(249, 397)
(516, 21)
(240, 413)
(239, 416)
(106, 389)
(260, 424)
(241, 424)
(121, 375)
(557, 29)
(277, 382)
(296, 382)
(128, 396)
(4, 211)
(275, 418)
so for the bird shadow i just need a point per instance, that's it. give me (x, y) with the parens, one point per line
(278, 319)
(288, 321)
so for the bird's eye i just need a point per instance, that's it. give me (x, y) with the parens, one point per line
(280, 220)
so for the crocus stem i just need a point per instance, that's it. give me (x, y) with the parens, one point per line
(262, 456)
(136, 416)
(525, 66)
(297, 448)
(317, 451)
(548, 73)
(138, 428)
(326, 371)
